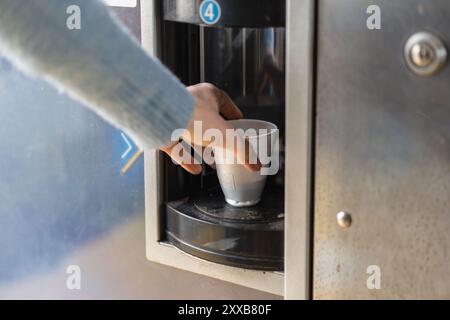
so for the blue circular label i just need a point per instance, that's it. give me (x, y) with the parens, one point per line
(210, 12)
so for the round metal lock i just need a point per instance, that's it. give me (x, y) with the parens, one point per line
(344, 219)
(425, 54)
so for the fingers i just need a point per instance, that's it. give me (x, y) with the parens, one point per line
(213, 105)
(227, 107)
(247, 155)
(181, 156)
(209, 92)
(241, 149)
(251, 158)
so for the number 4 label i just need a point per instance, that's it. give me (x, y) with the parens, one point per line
(210, 11)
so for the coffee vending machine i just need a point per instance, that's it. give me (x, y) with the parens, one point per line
(363, 111)
(239, 46)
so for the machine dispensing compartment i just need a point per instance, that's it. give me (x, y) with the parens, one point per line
(209, 228)
(245, 57)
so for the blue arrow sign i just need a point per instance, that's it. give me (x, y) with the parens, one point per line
(130, 146)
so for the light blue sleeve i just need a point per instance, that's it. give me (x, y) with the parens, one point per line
(100, 64)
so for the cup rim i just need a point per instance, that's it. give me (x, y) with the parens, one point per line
(270, 126)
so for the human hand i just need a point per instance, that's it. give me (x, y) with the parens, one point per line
(213, 107)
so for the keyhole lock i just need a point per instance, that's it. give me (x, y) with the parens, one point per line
(422, 54)
(344, 219)
(425, 54)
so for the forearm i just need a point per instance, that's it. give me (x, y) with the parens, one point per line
(100, 64)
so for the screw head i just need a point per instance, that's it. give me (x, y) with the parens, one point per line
(344, 219)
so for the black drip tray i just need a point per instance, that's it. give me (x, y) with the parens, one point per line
(209, 228)
(213, 204)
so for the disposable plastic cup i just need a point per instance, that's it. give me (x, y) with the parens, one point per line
(242, 187)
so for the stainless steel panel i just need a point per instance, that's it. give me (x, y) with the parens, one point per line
(382, 154)
(299, 125)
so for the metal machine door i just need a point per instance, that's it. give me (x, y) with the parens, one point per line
(382, 151)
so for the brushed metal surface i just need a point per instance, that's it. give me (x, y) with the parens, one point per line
(344, 219)
(299, 131)
(382, 153)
